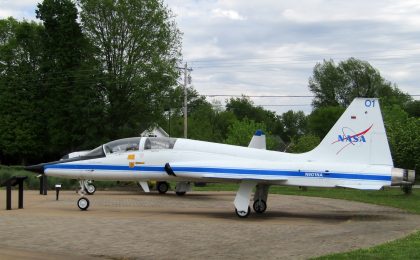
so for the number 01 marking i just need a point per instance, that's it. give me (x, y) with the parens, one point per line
(369, 103)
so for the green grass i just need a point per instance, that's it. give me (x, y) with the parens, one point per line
(405, 248)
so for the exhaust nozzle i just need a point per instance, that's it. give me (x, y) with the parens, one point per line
(402, 177)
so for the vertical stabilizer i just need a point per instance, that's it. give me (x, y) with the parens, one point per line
(357, 137)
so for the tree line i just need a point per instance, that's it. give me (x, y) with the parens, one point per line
(93, 71)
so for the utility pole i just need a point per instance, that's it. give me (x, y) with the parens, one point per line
(186, 79)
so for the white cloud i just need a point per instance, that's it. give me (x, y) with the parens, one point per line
(19, 9)
(230, 14)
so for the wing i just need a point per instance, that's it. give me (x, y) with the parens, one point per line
(236, 170)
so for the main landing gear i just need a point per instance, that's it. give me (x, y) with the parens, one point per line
(162, 187)
(180, 189)
(243, 196)
(243, 214)
(83, 202)
(90, 188)
(259, 206)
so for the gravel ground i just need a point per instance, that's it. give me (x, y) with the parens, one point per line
(133, 225)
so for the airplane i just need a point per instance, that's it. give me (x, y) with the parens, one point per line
(258, 141)
(354, 154)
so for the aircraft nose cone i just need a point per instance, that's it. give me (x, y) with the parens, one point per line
(38, 168)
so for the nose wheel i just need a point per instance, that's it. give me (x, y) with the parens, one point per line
(83, 203)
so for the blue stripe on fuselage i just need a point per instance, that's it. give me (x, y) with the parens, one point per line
(222, 171)
(105, 167)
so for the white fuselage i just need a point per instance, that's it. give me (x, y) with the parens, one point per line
(197, 161)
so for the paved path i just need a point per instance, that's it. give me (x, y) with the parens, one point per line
(131, 225)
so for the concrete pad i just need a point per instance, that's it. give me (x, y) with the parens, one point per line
(133, 225)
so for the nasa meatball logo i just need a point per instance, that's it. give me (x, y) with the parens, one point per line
(349, 138)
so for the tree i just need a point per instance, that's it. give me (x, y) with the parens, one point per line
(138, 46)
(294, 125)
(305, 143)
(413, 108)
(20, 125)
(325, 83)
(322, 119)
(339, 84)
(241, 132)
(243, 107)
(403, 132)
(72, 105)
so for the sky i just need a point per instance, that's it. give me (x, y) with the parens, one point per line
(270, 47)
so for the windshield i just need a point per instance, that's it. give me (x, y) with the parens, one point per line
(159, 143)
(95, 153)
(122, 145)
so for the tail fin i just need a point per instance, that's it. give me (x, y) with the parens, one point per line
(358, 136)
(258, 140)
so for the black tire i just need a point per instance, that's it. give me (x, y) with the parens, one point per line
(243, 214)
(90, 189)
(260, 206)
(180, 193)
(83, 203)
(162, 187)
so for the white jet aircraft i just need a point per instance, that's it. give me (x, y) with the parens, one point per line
(354, 154)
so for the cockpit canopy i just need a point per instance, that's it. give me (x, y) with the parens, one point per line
(132, 144)
(159, 143)
(122, 145)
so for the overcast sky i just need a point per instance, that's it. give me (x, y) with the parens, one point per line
(270, 47)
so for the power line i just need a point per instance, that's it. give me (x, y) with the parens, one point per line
(262, 96)
(291, 105)
(273, 96)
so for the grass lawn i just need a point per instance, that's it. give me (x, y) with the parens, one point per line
(405, 248)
